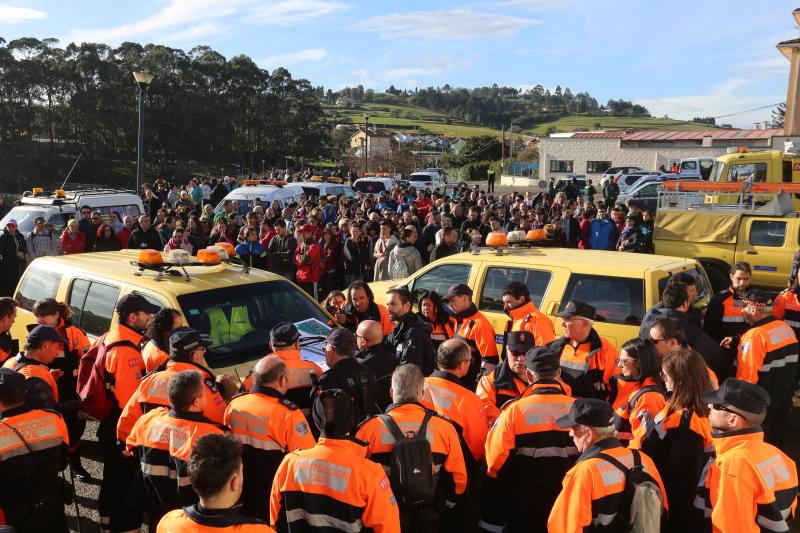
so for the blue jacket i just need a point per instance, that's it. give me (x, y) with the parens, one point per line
(601, 234)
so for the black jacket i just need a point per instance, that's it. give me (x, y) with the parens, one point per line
(382, 363)
(411, 343)
(281, 254)
(356, 380)
(442, 250)
(470, 225)
(356, 256)
(696, 338)
(142, 240)
(572, 231)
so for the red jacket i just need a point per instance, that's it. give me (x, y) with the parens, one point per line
(307, 259)
(122, 236)
(331, 255)
(73, 246)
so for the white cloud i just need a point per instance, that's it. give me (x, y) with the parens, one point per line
(293, 11)
(188, 19)
(17, 15)
(456, 25)
(407, 75)
(728, 97)
(282, 60)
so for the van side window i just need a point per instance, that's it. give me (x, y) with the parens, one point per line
(497, 278)
(617, 300)
(37, 284)
(93, 305)
(441, 278)
(767, 233)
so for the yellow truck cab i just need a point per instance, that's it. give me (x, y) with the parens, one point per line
(622, 286)
(235, 308)
(768, 166)
(759, 226)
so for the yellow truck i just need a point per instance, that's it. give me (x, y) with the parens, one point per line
(768, 166)
(755, 223)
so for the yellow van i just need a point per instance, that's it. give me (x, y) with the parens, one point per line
(622, 286)
(235, 308)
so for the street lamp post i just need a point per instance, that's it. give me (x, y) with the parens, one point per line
(366, 143)
(143, 80)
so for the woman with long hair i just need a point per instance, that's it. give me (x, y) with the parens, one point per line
(433, 312)
(636, 392)
(51, 312)
(679, 437)
(331, 257)
(106, 240)
(156, 350)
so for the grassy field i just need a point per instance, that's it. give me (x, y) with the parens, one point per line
(425, 121)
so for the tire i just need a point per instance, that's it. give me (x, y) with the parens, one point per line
(718, 278)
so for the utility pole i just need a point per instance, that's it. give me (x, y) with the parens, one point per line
(502, 148)
(366, 143)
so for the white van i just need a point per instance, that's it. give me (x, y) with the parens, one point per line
(58, 206)
(373, 185)
(267, 191)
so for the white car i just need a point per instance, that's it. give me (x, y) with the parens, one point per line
(627, 180)
(244, 197)
(426, 179)
(373, 185)
(613, 171)
(57, 207)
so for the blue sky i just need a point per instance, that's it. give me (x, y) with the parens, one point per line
(682, 58)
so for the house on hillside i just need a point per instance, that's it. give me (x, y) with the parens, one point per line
(345, 101)
(456, 143)
(378, 141)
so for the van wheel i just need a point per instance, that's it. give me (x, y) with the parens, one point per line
(719, 279)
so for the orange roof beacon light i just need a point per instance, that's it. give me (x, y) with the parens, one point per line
(228, 247)
(741, 150)
(60, 193)
(150, 258)
(37, 191)
(209, 256)
(536, 235)
(497, 240)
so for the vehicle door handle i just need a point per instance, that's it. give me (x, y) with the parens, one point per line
(552, 308)
(751, 252)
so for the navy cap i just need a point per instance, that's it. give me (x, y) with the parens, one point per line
(183, 341)
(283, 335)
(588, 412)
(459, 289)
(742, 395)
(134, 303)
(11, 380)
(576, 308)
(520, 341)
(333, 413)
(542, 358)
(758, 298)
(343, 341)
(41, 334)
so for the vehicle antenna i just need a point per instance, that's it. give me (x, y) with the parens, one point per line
(70, 170)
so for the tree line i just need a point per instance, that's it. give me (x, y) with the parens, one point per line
(58, 102)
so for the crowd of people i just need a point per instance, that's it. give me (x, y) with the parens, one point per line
(416, 424)
(419, 422)
(326, 243)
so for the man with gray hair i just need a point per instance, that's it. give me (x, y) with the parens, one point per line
(408, 416)
(587, 360)
(592, 490)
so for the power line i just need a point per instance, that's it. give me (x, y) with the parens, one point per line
(745, 112)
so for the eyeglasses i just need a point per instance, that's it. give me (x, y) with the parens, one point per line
(656, 341)
(516, 354)
(620, 361)
(723, 407)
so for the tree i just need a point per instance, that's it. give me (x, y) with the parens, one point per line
(779, 115)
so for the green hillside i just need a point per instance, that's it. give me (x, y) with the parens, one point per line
(406, 117)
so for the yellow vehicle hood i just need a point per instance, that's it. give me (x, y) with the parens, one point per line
(697, 227)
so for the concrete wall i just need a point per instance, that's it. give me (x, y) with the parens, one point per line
(579, 151)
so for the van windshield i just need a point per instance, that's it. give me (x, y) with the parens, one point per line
(240, 207)
(24, 217)
(369, 186)
(238, 319)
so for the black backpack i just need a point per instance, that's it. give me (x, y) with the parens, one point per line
(411, 474)
(642, 508)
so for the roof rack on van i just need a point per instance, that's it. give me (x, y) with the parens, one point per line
(746, 198)
(257, 183)
(72, 194)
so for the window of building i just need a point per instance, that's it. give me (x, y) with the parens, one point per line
(560, 166)
(497, 278)
(597, 167)
(617, 300)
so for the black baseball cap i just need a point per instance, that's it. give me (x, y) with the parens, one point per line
(742, 395)
(758, 298)
(520, 341)
(133, 303)
(333, 413)
(589, 412)
(542, 358)
(184, 341)
(41, 334)
(576, 308)
(459, 289)
(343, 341)
(283, 335)
(12, 381)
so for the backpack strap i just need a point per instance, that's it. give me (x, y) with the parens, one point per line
(389, 422)
(617, 463)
